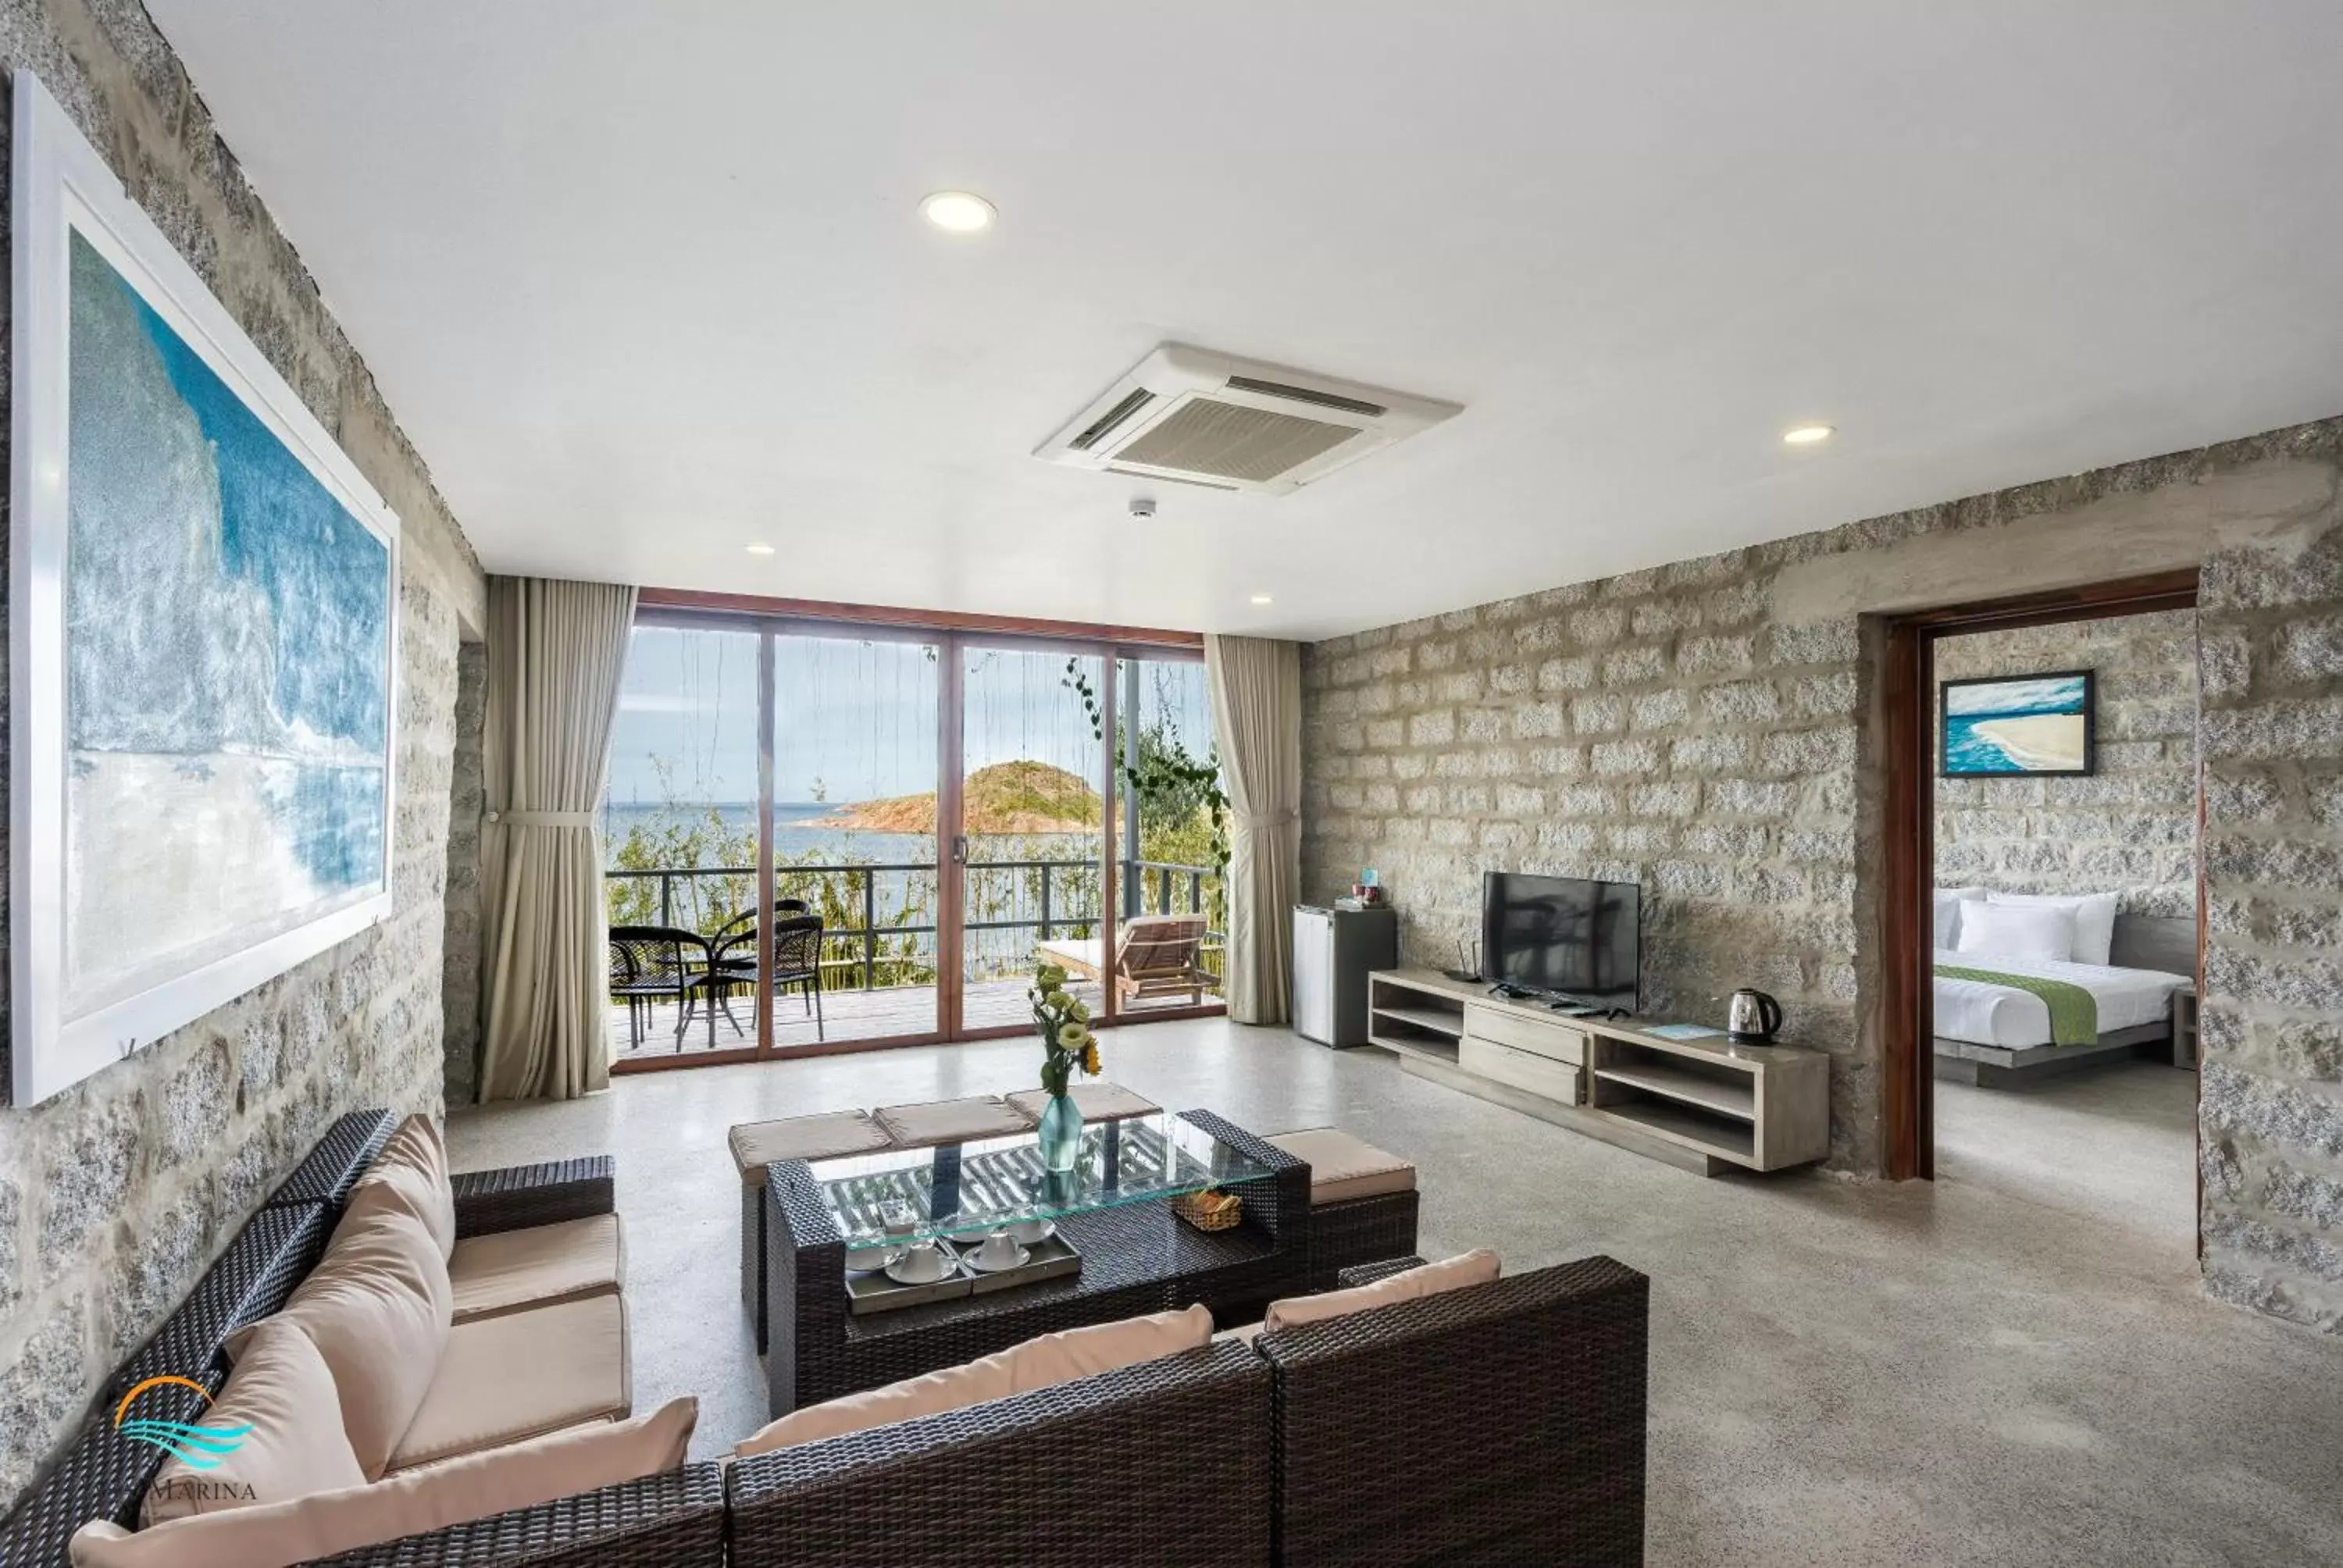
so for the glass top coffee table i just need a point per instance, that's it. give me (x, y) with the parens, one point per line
(967, 1189)
(1114, 1208)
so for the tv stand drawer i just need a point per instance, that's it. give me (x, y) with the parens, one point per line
(1522, 1070)
(1551, 1038)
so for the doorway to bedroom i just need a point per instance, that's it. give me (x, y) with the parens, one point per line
(2054, 821)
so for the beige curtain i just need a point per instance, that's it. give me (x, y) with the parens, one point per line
(556, 651)
(1257, 719)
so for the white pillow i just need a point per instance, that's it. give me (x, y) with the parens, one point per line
(2095, 919)
(2009, 931)
(1948, 911)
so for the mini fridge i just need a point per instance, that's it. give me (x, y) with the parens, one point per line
(1333, 950)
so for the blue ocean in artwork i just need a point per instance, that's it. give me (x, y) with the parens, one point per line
(2026, 726)
(228, 654)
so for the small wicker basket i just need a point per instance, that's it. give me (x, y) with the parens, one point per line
(1190, 1207)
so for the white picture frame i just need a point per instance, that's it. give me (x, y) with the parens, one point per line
(62, 1026)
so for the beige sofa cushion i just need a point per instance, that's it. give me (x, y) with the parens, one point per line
(1096, 1101)
(1040, 1363)
(537, 1266)
(378, 1307)
(410, 1174)
(833, 1133)
(1048, 1360)
(1477, 1267)
(951, 1388)
(1342, 1167)
(521, 1375)
(280, 1390)
(522, 1476)
(951, 1121)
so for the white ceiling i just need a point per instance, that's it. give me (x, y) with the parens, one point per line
(646, 281)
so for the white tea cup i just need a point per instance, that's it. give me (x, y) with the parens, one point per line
(999, 1251)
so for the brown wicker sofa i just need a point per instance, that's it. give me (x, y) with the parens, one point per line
(1497, 1423)
(675, 1518)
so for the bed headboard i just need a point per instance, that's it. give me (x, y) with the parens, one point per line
(2167, 942)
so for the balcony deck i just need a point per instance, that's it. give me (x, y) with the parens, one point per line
(848, 1015)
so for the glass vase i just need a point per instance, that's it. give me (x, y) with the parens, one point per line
(1061, 1133)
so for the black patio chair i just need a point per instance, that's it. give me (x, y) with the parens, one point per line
(797, 957)
(651, 964)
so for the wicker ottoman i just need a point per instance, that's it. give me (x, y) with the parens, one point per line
(757, 1144)
(1096, 1101)
(935, 1122)
(1363, 1202)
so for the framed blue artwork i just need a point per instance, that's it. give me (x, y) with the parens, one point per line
(203, 628)
(2023, 726)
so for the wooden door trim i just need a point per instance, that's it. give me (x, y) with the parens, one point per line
(951, 874)
(1907, 858)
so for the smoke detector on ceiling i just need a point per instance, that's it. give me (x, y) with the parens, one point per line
(1204, 418)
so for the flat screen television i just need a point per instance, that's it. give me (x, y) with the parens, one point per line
(1563, 937)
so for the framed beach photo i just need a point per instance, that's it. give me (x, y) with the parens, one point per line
(203, 627)
(2018, 726)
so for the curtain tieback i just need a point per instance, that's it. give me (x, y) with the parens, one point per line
(1260, 822)
(542, 819)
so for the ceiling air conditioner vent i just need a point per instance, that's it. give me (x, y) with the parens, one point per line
(1307, 395)
(1204, 418)
(1139, 399)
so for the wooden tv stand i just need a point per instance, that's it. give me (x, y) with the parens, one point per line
(1701, 1104)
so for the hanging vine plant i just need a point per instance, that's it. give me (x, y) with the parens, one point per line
(1159, 769)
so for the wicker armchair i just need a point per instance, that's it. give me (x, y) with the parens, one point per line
(1170, 1456)
(1502, 1423)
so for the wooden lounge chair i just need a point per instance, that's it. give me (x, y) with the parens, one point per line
(1155, 956)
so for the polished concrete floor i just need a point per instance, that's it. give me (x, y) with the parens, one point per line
(2011, 1365)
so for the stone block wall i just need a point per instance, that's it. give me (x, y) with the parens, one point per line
(115, 1195)
(1711, 729)
(1659, 728)
(2131, 826)
(2271, 1123)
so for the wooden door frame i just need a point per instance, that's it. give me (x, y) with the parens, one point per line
(1906, 909)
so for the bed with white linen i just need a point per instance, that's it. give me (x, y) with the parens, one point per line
(2001, 1035)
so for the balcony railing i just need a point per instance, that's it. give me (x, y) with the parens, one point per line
(1071, 910)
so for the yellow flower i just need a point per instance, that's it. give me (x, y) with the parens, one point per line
(1076, 1009)
(1091, 1060)
(1072, 1037)
(1048, 978)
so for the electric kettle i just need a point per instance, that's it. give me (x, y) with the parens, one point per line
(1751, 1018)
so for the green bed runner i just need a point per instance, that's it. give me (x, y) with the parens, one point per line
(2074, 1011)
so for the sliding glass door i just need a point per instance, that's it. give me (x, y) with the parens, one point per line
(826, 837)
(1031, 846)
(855, 840)
(679, 842)
(1172, 837)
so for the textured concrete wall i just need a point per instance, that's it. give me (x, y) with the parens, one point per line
(460, 940)
(1709, 729)
(115, 1195)
(2131, 826)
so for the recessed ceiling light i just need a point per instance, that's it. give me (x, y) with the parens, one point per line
(1260, 598)
(1807, 434)
(957, 211)
(760, 549)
